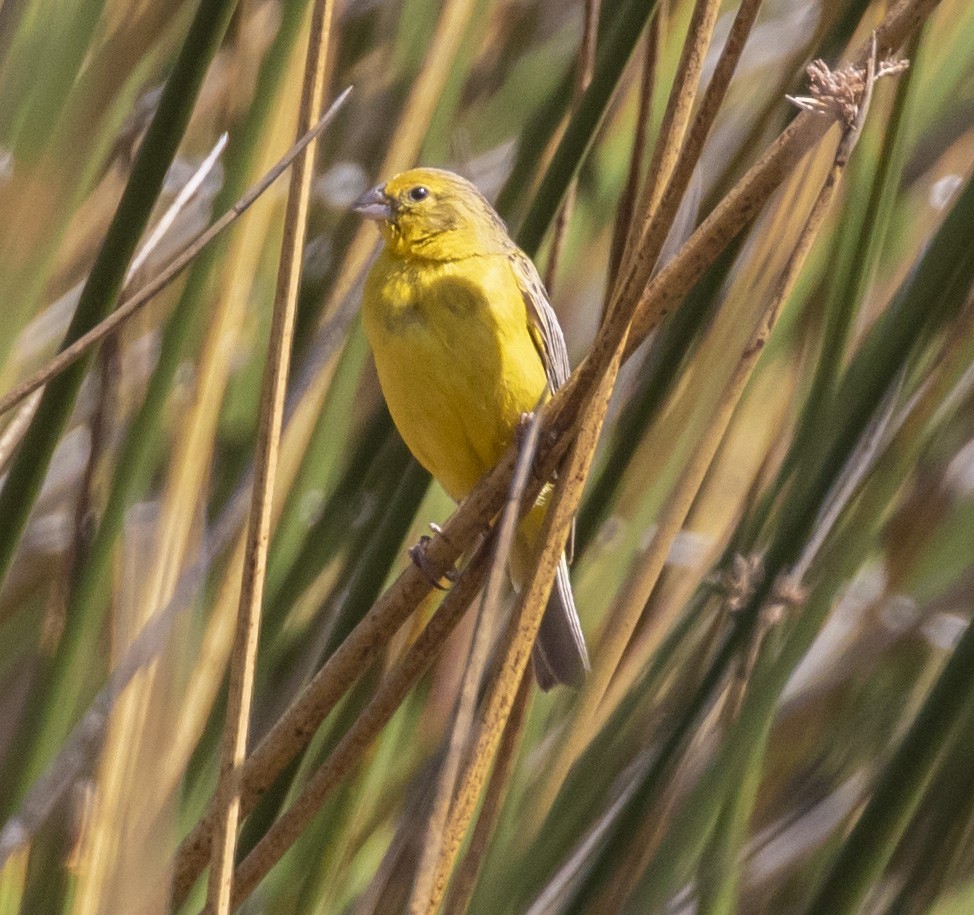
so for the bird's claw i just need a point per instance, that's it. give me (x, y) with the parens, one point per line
(417, 554)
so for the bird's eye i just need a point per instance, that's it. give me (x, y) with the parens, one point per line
(418, 193)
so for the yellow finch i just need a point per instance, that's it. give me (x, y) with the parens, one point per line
(464, 342)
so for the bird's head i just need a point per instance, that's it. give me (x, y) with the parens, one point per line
(434, 214)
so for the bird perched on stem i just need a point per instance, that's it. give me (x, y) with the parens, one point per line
(465, 344)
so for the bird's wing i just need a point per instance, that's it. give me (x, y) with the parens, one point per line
(543, 322)
(547, 335)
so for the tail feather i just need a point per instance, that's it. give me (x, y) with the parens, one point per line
(560, 655)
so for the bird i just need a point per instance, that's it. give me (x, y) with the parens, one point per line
(465, 344)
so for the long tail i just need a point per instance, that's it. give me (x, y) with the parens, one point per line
(560, 655)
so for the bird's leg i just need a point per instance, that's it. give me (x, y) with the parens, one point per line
(418, 555)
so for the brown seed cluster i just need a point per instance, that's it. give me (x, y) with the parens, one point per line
(838, 92)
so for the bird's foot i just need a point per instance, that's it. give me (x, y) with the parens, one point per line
(417, 554)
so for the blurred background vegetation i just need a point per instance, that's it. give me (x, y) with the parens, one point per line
(818, 757)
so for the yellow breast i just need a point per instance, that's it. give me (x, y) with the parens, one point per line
(455, 359)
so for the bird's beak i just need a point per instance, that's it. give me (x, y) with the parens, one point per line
(373, 204)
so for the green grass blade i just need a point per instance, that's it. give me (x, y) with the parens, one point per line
(100, 294)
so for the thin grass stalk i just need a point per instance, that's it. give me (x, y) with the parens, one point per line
(733, 391)
(523, 630)
(104, 283)
(295, 727)
(142, 441)
(849, 288)
(583, 76)
(16, 429)
(660, 206)
(108, 272)
(667, 151)
(719, 873)
(929, 297)
(490, 609)
(627, 200)
(71, 354)
(627, 26)
(465, 878)
(189, 465)
(244, 657)
(350, 749)
(673, 159)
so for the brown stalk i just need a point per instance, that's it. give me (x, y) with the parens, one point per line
(523, 630)
(500, 699)
(627, 610)
(295, 728)
(172, 270)
(641, 851)
(465, 878)
(676, 117)
(748, 195)
(490, 609)
(274, 387)
(359, 737)
(627, 201)
(661, 200)
(583, 76)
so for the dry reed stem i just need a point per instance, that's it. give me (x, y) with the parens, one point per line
(676, 117)
(465, 878)
(627, 609)
(297, 725)
(180, 262)
(627, 200)
(274, 387)
(711, 102)
(490, 609)
(748, 195)
(672, 165)
(356, 741)
(360, 649)
(189, 464)
(583, 76)
(521, 635)
(679, 503)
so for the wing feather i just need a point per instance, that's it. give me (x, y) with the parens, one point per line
(547, 334)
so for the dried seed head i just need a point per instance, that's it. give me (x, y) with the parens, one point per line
(837, 93)
(738, 582)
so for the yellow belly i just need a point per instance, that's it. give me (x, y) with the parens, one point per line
(455, 359)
